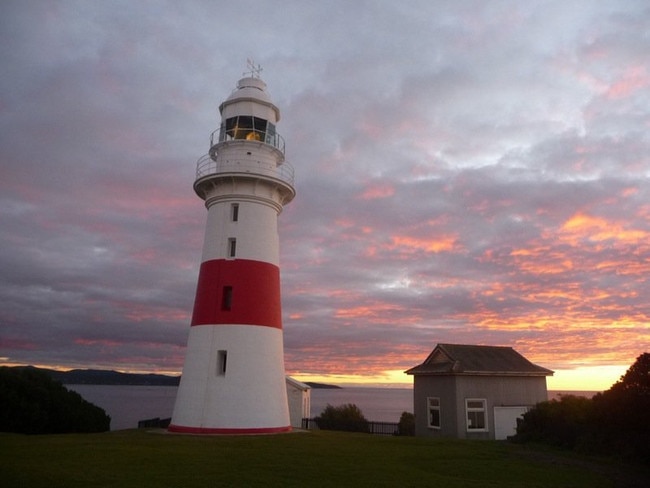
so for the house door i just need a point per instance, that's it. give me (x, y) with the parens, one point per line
(505, 421)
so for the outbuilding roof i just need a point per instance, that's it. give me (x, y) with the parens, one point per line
(461, 359)
(298, 385)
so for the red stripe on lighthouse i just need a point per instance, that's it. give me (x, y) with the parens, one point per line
(253, 297)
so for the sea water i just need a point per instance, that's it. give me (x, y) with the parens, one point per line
(129, 404)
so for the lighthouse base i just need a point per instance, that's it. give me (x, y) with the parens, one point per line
(201, 431)
(233, 382)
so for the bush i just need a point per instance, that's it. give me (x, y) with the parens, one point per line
(32, 403)
(406, 425)
(346, 417)
(557, 422)
(615, 422)
(620, 422)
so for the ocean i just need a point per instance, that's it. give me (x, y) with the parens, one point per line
(129, 404)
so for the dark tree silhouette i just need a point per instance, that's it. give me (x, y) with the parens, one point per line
(615, 422)
(620, 422)
(406, 424)
(346, 417)
(31, 402)
(637, 379)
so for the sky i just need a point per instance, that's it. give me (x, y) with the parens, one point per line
(467, 172)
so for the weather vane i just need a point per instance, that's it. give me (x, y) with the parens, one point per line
(253, 69)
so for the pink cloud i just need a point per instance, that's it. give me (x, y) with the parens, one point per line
(378, 191)
(633, 80)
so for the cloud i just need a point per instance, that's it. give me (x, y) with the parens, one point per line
(466, 172)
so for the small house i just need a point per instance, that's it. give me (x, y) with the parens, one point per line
(299, 398)
(474, 392)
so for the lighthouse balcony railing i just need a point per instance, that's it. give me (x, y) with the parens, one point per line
(266, 136)
(206, 166)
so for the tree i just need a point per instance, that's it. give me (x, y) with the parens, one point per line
(346, 417)
(615, 422)
(620, 422)
(556, 422)
(406, 425)
(31, 402)
(637, 379)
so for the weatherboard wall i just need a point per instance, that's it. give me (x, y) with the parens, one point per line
(453, 390)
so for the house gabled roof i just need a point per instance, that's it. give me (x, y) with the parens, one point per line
(460, 359)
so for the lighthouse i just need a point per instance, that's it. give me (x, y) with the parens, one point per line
(233, 378)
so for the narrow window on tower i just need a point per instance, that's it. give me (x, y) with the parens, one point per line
(232, 247)
(226, 298)
(222, 361)
(234, 212)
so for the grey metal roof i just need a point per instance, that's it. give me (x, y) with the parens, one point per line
(450, 359)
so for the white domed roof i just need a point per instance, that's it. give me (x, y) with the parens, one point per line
(253, 90)
(250, 88)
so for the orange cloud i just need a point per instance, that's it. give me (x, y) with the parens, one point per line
(439, 244)
(597, 229)
(541, 260)
(374, 310)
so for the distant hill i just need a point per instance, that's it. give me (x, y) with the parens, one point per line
(322, 386)
(109, 377)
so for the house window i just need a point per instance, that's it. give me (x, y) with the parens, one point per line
(475, 409)
(232, 247)
(226, 298)
(433, 407)
(234, 212)
(222, 361)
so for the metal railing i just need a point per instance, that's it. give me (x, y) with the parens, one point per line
(207, 166)
(376, 428)
(154, 423)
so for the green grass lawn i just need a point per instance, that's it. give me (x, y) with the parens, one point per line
(308, 459)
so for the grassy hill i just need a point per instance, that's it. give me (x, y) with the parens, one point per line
(305, 459)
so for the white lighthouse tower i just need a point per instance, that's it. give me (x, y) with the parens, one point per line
(233, 379)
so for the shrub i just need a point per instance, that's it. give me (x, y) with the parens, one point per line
(557, 422)
(406, 424)
(620, 422)
(32, 403)
(346, 417)
(615, 422)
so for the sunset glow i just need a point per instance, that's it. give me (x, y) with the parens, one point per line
(592, 379)
(492, 190)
